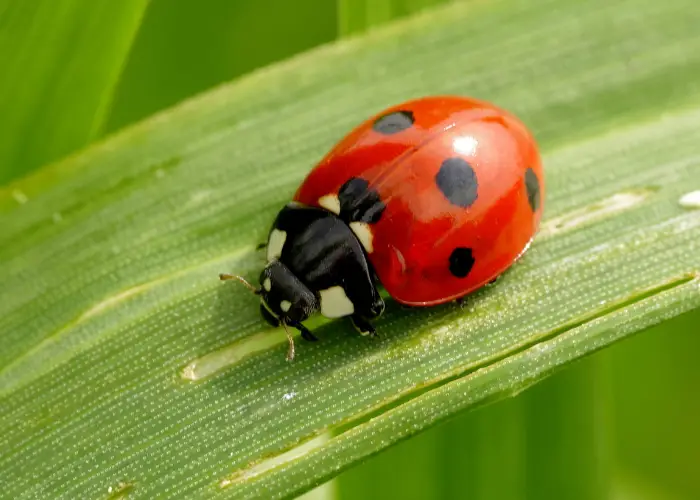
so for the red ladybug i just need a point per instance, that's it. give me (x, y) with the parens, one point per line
(432, 198)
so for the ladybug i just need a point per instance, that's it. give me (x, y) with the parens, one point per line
(431, 199)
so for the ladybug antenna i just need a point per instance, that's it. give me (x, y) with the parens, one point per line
(290, 350)
(224, 277)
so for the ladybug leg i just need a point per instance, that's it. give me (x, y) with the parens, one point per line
(305, 333)
(363, 326)
(493, 280)
(461, 302)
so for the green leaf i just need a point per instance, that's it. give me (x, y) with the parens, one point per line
(165, 67)
(60, 60)
(128, 365)
(356, 16)
(667, 423)
(550, 442)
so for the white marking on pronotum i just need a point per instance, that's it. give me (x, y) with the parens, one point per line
(330, 202)
(275, 244)
(285, 305)
(335, 303)
(690, 200)
(364, 233)
(267, 284)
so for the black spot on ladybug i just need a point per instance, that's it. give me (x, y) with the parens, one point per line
(461, 261)
(532, 184)
(457, 181)
(393, 122)
(358, 203)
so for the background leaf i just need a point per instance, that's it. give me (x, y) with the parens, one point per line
(187, 47)
(123, 366)
(60, 61)
(356, 16)
(619, 424)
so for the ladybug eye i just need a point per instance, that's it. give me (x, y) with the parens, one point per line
(267, 315)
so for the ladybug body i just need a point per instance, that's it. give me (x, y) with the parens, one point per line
(433, 198)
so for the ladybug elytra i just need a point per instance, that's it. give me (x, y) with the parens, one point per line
(431, 199)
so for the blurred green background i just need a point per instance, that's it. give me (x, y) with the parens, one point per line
(621, 424)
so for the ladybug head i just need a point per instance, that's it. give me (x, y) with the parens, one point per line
(284, 300)
(283, 297)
